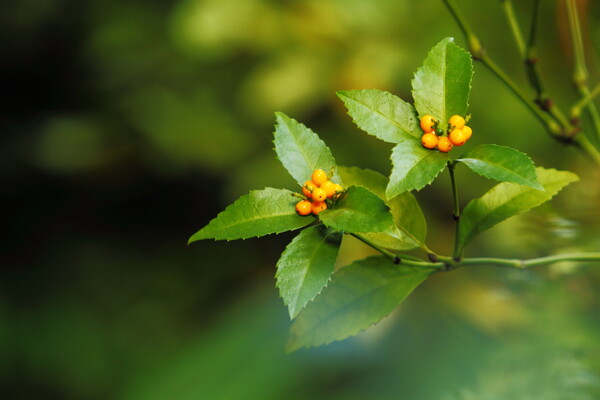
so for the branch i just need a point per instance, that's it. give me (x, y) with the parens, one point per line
(579, 257)
(396, 259)
(580, 72)
(457, 253)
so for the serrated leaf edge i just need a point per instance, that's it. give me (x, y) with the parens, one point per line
(342, 93)
(539, 186)
(192, 240)
(387, 192)
(471, 70)
(304, 277)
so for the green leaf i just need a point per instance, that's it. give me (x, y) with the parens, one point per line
(409, 217)
(381, 114)
(503, 164)
(372, 180)
(301, 151)
(306, 266)
(508, 199)
(358, 296)
(414, 167)
(441, 85)
(359, 210)
(405, 209)
(261, 212)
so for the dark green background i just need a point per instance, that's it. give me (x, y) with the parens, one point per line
(126, 126)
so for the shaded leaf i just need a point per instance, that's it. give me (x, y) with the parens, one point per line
(405, 209)
(372, 180)
(508, 199)
(358, 296)
(414, 167)
(306, 265)
(359, 210)
(300, 150)
(503, 164)
(259, 213)
(381, 114)
(442, 84)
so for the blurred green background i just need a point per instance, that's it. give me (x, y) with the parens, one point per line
(126, 126)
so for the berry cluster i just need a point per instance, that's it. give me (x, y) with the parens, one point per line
(458, 134)
(317, 191)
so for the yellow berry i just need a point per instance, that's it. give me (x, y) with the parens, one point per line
(468, 132)
(303, 207)
(318, 177)
(338, 188)
(328, 187)
(456, 121)
(318, 206)
(429, 140)
(444, 144)
(458, 137)
(307, 189)
(427, 122)
(319, 194)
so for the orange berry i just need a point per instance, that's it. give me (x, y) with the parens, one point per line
(429, 140)
(456, 121)
(307, 189)
(319, 194)
(458, 137)
(303, 207)
(338, 190)
(328, 187)
(444, 144)
(427, 122)
(468, 132)
(318, 177)
(318, 206)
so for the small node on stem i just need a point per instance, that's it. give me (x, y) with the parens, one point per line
(532, 60)
(432, 257)
(546, 104)
(554, 128)
(397, 260)
(476, 47)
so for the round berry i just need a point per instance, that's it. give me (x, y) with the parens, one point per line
(458, 137)
(456, 121)
(468, 132)
(307, 189)
(338, 188)
(429, 140)
(318, 177)
(303, 207)
(319, 194)
(318, 206)
(444, 144)
(328, 187)
(427, 123)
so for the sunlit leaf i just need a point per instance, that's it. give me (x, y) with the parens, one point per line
(442, 84)
(503, 164)
(261, 212)
(306, 266)
(300, 150)
(381, 114)
(358, 296)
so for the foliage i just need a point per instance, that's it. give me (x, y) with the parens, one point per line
(380, 211)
